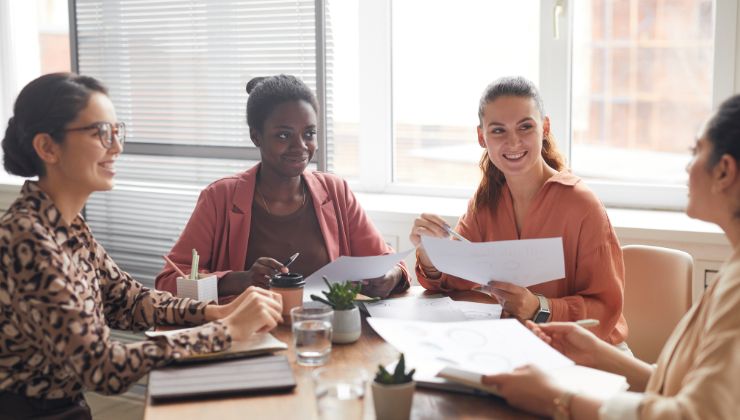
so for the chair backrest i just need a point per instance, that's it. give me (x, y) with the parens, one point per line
(657, 293)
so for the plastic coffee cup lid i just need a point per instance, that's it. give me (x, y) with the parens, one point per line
(287, 280)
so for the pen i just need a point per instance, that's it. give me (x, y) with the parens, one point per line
(455, 234)
(169, 261)
(588, 323)
(194, 266)
(291, 259)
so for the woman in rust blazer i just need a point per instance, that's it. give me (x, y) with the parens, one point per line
(244, 225)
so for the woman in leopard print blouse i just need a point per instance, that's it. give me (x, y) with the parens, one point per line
(60, 292)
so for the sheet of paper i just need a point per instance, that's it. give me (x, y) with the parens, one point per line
(523, 262)
(351, 268)
(413, 308)
(486, 347)
(440, 309)
(474, 311)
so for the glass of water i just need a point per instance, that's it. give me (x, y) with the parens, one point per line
(340, 392)
(312, 334)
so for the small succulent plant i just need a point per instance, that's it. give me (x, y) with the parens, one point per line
(399, 375)
(341, 296)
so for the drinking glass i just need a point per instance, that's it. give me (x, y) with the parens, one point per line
(339, 392)
(312, 331)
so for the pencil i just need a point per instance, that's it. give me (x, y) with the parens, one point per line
(194, 266)
(588, 323)
(455, 234)
(173, 265)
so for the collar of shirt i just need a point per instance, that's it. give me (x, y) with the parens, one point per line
(67, 235)
(564, 177)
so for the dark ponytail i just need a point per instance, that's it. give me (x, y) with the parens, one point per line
(45, 105)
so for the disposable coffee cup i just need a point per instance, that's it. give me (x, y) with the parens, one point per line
(290, 287)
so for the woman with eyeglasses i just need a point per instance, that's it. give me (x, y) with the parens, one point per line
(697, 375)
(60, 292)
(246, 226)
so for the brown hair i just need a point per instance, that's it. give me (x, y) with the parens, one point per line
(489, 190)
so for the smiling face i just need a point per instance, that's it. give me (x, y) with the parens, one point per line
(288, 138)
(83, 163)
(511, 131)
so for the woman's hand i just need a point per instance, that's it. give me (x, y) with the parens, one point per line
(575, 342)
(527, 388)
(255, 310)
(384, 285)
(258, 275)
(429, 225)
(516, 301)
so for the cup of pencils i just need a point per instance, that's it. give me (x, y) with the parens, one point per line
(196, 286)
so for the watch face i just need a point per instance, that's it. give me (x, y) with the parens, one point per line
(541, 317)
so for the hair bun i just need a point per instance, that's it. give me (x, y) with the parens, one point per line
(253, 83)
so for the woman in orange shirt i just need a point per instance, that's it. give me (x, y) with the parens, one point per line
(526, 193)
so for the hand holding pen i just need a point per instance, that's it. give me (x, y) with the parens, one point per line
(430, 225)
(257, 275)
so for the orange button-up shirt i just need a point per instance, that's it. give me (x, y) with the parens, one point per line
(593, 286)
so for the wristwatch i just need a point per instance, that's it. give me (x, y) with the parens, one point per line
(542, 314)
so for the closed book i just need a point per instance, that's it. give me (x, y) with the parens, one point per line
(257, 344)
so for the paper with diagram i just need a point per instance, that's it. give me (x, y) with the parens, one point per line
(524, 262)
(486, 347)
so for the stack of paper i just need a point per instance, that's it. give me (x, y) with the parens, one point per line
(441, 309)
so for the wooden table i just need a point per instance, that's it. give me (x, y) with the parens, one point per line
(369, 351)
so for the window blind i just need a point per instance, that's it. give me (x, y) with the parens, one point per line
(176, 71)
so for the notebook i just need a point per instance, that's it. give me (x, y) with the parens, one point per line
(257, 344)
(579, 379)
(231, 377)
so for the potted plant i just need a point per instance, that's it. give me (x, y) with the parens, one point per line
(346, 325)
(393, 394)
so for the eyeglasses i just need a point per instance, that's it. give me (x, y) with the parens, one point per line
(106, 132)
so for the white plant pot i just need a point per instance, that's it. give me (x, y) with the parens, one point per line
(393, 402)
(346, 326)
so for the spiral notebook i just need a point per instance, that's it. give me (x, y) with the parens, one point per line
(231, 377)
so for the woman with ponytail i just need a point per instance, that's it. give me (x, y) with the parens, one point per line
(527, 192)
(60, 291)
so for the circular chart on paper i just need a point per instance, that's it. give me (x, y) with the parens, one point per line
(467, 338)
(429, 346)
(490, 362)
(413, 331)
(472, 314)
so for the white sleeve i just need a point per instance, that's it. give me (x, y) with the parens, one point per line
(624, 406)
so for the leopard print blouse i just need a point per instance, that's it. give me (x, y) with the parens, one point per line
(60, 293)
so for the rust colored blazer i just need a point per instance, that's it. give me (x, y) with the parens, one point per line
(220, 223)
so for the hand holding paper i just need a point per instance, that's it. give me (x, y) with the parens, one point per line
(524, 262)
(347, 268)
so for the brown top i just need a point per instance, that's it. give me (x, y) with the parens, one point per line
(60, 293)
(279, 237)
(593, 286)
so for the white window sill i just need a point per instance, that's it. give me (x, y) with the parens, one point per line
(634, 223)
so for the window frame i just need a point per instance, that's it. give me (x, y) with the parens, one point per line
(376, 106)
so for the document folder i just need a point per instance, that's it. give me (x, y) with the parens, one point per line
(232, 377)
